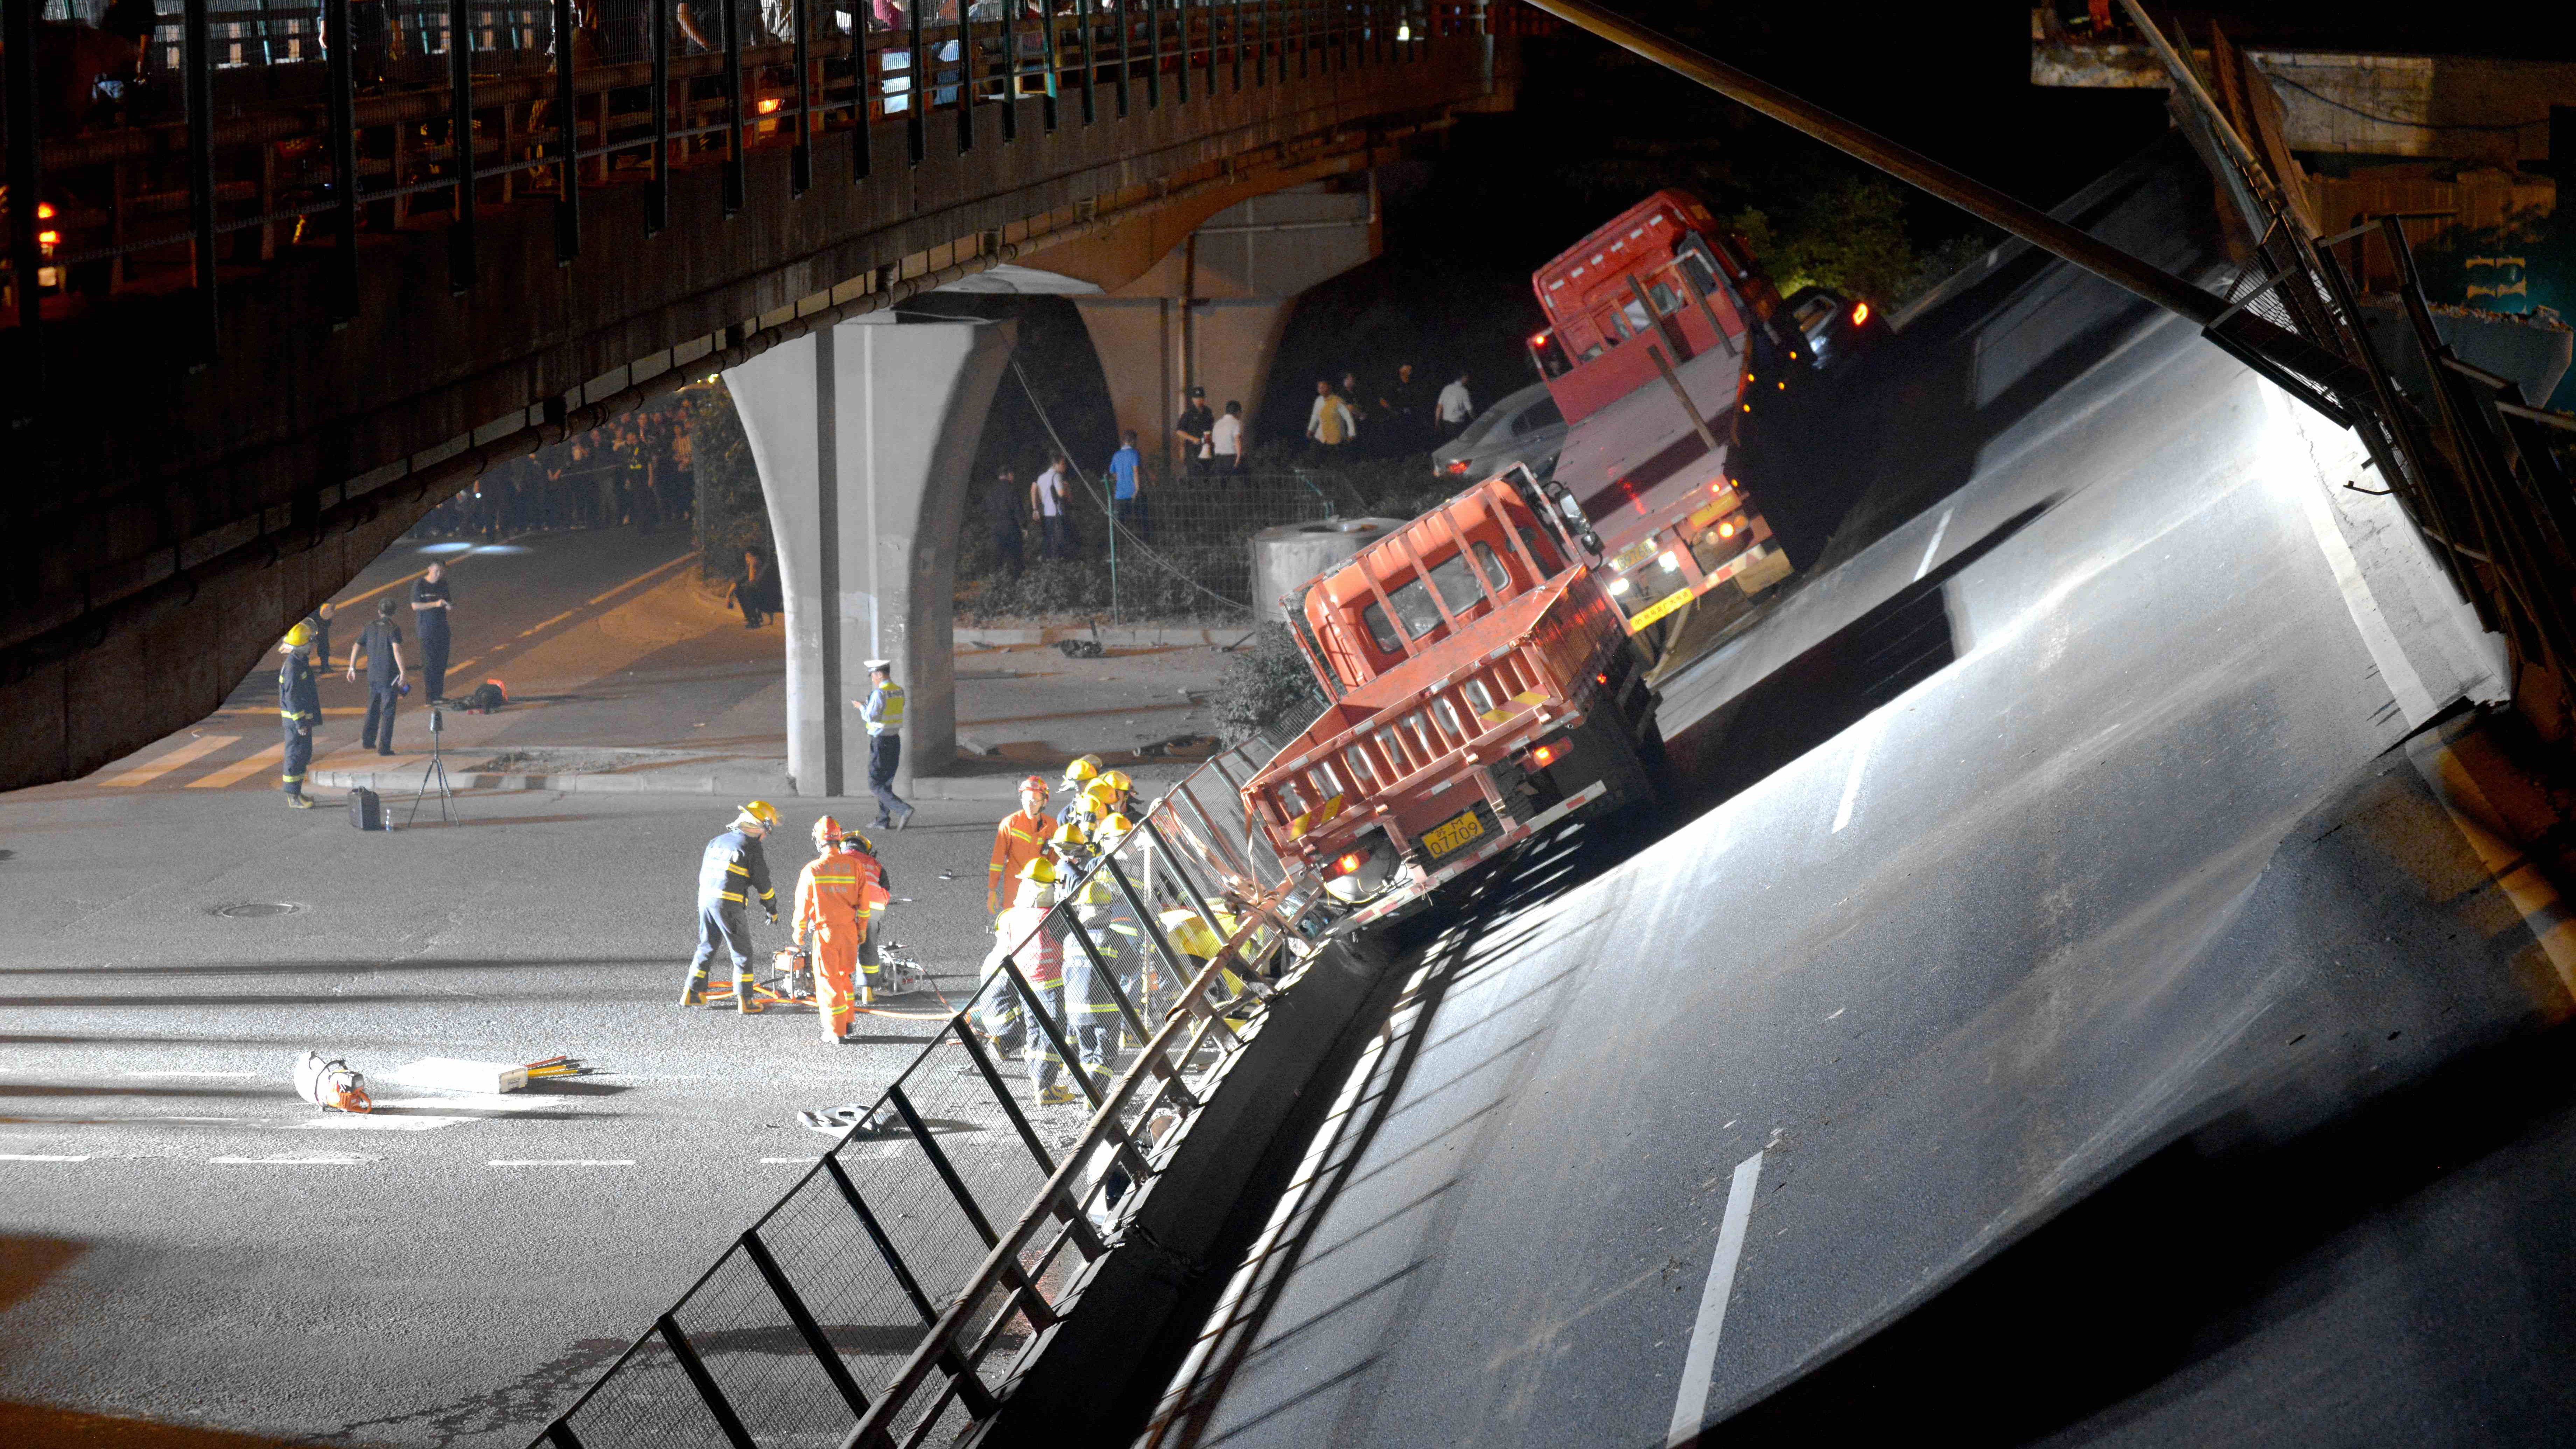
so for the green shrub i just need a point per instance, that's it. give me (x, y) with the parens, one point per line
(732, 515)
(1267, 689)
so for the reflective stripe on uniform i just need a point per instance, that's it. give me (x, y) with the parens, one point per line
(737, 869)
(733, 896)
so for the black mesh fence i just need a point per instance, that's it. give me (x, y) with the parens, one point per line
(817, 1310)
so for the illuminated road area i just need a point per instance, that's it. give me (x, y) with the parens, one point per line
(2063, 860)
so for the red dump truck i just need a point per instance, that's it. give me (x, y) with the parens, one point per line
(1483, 687)
(1664, 346)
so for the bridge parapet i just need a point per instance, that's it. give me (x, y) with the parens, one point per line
(266, 337)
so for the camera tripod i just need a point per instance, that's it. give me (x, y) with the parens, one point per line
(437, 770)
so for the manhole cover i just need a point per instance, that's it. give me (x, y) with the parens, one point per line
(241, 909)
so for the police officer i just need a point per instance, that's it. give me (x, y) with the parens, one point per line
(733, 871)
(299, 709)
(381, 642)
(883, 710)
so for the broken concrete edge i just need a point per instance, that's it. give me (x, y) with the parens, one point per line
(1151, 638)
(1084, 1378)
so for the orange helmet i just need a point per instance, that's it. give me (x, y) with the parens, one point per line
(1037, 783)
(826, 830)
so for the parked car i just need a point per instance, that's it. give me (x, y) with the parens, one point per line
(1525, 427)
(1837, 328)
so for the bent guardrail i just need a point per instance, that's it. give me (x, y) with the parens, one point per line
(882, 1272)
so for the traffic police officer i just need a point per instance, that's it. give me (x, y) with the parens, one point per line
(299, 709)
(732, 871)
(883, 711)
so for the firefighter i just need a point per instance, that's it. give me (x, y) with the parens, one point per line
(1000, 1011)
(299, 709)
(1122, 940)
(733, 871)
(1078, 777)
(1019, 839)
(1088, 1003)
(839, 895)
(1191, 935)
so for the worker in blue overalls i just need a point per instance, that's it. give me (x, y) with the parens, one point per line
(732, 872)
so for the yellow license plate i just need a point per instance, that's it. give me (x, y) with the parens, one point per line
(1646, 617)
(1452, 833)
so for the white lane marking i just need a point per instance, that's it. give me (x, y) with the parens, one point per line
(561, 1162)
(1869, 732)
(310, 1159)
(800, 1161)
(241, 769)
(194, 749)
(557, 619)
(41, 1157)
(196, 1074)
(1700, 1364)
(1934, 546)
(2395, 669)
(473, 1102)
(365, 1122)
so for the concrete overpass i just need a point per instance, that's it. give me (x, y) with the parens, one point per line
(224, 420)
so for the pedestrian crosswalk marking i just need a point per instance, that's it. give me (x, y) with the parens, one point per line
(195, 749)
(241, 769)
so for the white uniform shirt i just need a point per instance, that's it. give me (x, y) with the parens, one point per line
(1050, 488)
(1455, 407)
(1227, 439)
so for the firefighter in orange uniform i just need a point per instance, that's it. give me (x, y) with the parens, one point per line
(839, 895)
(1020, 838)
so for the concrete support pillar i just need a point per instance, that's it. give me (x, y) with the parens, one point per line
(1151, 348)
(863, 434)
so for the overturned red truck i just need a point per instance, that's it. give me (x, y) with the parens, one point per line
(1663, 342)
(1482, 687)
(1480, 661)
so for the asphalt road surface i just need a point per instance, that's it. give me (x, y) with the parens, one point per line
(2055, 854)
(183, 1240)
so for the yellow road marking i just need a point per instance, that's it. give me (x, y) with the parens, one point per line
(2475, 816)
(639, 578)
(240, 769)
(195, 749)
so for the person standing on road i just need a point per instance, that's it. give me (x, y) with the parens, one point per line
(1127, 487)
(381, 642)
(299, 709)
(732, 871)
(319, 622)
(1225, 440)
(883, 711)
(1329, 423)
(1019, 839)
(839, 894)
(1047, 501)
(1192, 432)
(1005, 513)
(430, 603)
(1455, 409)
(1000, 1011)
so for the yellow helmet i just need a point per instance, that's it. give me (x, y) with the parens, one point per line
(854, 838)
(1115, 825)
(1117, 780)
(1082, 770)
(1072, 833)
(1100, 791)
(762, 811)
(1041, 870)
(298, 637)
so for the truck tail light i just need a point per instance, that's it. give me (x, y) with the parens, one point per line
(1618, 588)
(1350, 861)
(1860, 313)
(1458, 466)
(1549, 753)
(1671, 561)
(1726, 529)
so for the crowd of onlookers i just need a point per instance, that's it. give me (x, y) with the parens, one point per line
(636, 470)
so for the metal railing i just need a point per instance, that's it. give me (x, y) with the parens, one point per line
(2463, 453)
(242, 134)
(876, 1301)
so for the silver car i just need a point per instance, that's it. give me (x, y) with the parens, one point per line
(1524, 427)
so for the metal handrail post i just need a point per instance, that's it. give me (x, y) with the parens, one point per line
(800, 157)
(26, 253)
(1010, 71)
(198, 61)
(734, 184)
(992, 1075)
(709, 1392)
(657, 194)
(460, 143)
(568, 139)
(826, 1357)
(916, 104)
(1054, 1030)
(965, 43)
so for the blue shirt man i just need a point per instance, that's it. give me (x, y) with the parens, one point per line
(1122, 468)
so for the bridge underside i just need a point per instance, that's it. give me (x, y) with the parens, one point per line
(183, 517)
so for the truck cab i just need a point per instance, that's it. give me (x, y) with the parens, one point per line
(1482, 688)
